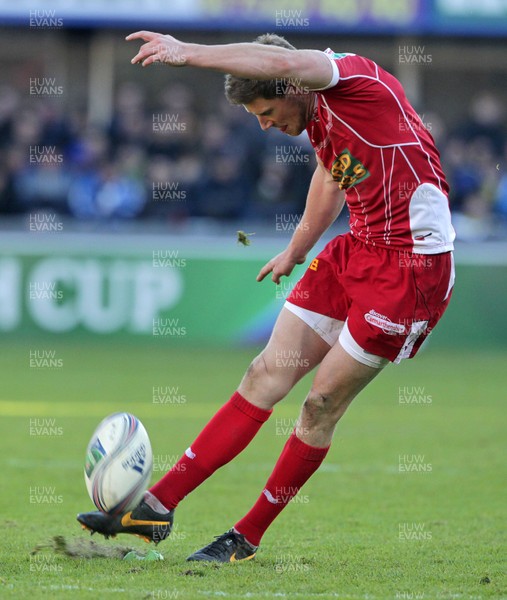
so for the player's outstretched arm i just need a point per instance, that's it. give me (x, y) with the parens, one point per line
(311, 68)
(323, 205)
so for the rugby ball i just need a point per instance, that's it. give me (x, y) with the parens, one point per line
(118, 463)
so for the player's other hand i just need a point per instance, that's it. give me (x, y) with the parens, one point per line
(158, 48)
(280, 265)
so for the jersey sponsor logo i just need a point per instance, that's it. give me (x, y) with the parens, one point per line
(384, 323)
(347, 170)
(314, 264)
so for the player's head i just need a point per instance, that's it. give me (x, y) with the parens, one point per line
(275, 102)
(244, 91)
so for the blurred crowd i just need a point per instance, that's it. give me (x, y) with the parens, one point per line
(166, 158)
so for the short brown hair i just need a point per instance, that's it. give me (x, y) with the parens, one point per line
(244, 91)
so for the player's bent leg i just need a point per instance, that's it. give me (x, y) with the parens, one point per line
(293, 350)
(338, 380)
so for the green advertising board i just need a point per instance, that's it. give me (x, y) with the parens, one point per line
(188, 290)
(150, 287)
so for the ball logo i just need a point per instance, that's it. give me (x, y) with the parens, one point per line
(95, 454)
(136, 460)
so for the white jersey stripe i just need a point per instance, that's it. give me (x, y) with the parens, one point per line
(392, 94)
(409, 164)
(417, 143)
(433, 170)
(363, 210)
(385, 195)
(390, 203)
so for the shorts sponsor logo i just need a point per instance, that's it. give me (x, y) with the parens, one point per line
(347, 170)
(384, 323)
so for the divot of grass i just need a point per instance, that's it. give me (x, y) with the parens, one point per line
(82, 548)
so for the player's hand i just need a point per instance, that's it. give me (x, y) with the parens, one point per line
(158, 48)
(280, 265)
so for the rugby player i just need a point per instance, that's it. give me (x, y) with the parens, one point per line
(369, 298)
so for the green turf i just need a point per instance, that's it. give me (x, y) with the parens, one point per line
(340, 539)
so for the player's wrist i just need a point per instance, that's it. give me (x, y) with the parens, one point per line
(201, 55)
(302, 242)
(296, 253)
(192, 52)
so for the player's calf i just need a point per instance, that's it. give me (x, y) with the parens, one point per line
(319, 415)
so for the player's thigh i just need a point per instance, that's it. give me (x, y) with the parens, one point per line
(338, 380)
(294, 346)
(293, 350)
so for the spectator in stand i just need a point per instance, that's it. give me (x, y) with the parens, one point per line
(486, 122)
(471, 156)
(129, 124)
(112, 189)
(220, 168)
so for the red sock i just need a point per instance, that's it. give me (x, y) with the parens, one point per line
(224, 437)
(297, 463)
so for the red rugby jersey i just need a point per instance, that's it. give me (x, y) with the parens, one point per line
(378, 150)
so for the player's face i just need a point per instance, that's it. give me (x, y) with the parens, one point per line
(288, 114)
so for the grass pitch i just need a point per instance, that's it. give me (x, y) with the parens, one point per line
(409, 503)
